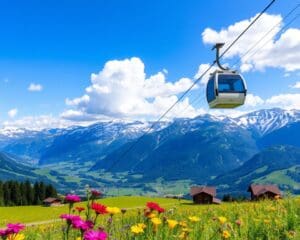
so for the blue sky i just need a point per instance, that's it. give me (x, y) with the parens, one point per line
(57, 45)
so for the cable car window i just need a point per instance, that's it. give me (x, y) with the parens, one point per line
(210, 92)
(230, 83)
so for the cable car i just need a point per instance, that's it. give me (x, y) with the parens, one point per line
(226, 89)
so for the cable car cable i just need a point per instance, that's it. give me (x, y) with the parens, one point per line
(190, 88)
(266, 34)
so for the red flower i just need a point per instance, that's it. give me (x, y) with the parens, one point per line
(99, 208)
(80, 209)
(95, 193)
(155, 207)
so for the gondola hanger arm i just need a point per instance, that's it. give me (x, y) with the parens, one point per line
(217, 46)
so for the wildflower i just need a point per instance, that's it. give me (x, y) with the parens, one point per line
(183, 235)
(95, 193)
(156, 221)
(113, 210)
(238, 222)
(72, 198)
(16, 237)
(183, 224)
(222, 220)
(142, 225)
(99, 208)
(267, 221)
(194, 219)
(95, 235)
(155, 207)
(82, 225)
(70, 218)
(80, 209)
(225, 234)
(137, 229)
(123, 210)
(172, 223)
(14, 227)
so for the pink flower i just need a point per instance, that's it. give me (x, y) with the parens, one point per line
(95, 235)
(11, 228)
(14, 227)
(3, 232)
(70, 218)
(72, 198)
(82, 225)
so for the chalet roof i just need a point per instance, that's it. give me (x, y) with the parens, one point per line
(203, 189)
(216, 201)
(261, 189)
(51, 200)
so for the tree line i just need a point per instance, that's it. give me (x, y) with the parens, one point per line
(14, 193)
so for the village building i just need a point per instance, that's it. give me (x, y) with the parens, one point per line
(259, 192)
(49, 202)
(204, 195)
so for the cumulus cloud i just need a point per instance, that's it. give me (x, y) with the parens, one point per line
(296, 85)
(12, 113)
(286, 101)
(121, 89)
(35, 87)
(281, 52)
(253, 101)
(201, 69)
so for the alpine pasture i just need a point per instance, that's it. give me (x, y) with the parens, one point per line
(158, 218)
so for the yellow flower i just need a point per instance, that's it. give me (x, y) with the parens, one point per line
(222, 220)
(19, 236)
(183, 224)
(183, 235)
(172, 223)
(267, 221)
(225, 234)
(113, 210)
(141, 225)
(194, 219)
(151, 215)
(136, 229)
(156, 221)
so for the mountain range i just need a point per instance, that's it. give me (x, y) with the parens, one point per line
(260, 146)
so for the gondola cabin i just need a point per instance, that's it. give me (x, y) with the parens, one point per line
(226, 89)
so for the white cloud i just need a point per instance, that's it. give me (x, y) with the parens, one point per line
(35, 87)
(296, 85)
(253, 101)
(286, 101)
(281, 52)
(201, 69)
(40, 122)
(121, 89)
(12, 113)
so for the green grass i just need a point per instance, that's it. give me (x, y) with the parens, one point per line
(279, 177)
(28, 214)
(278, 219)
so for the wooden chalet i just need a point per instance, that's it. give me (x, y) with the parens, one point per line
(259, 192)
(49, 202)
(204, 195)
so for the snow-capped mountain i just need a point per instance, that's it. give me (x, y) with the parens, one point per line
(265, 121)
(96, 141)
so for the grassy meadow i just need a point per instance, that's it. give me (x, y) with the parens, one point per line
(265, 220)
